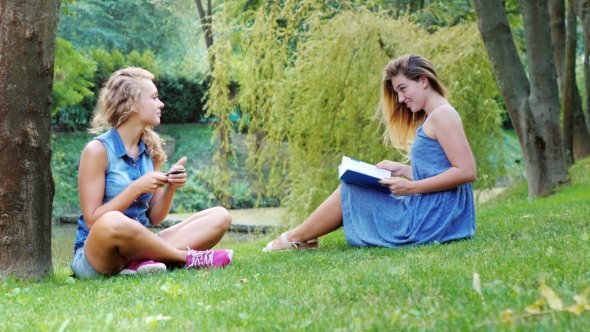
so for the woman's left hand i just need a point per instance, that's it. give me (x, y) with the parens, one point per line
(399, 186)
(177, 174)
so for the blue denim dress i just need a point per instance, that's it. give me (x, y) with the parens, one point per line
(374, 218)
(121, 171)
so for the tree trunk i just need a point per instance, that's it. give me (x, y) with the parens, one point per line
(533, 105)
(205, 21)
(395, 9)
(587, 81)
(581, 131)
(557, 21)
(581, 135)
(27, 47)
(575, 127)
(568, 87)
(582, 9)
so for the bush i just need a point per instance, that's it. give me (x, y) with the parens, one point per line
(101, 64)
(183, 99)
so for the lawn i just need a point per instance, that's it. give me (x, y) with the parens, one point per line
(520, 243)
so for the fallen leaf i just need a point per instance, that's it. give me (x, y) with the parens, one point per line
(552, 298)
(577, 309)
(507, 317)
(477, 284)
(535, 308)
(582, 299)
(243, 280)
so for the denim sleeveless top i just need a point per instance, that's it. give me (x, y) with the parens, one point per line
(121, 171)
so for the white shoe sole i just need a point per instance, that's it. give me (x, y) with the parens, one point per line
(147, 269)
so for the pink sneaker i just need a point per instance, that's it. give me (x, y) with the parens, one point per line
(208, 258)
(142, 266)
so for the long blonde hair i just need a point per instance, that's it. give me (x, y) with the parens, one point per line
(115, 102)
(400, 123)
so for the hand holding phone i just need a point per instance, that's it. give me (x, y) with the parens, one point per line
(177, 171)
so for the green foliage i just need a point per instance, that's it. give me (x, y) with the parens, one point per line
(183, 99)
(100, 64)
(67, 148)
(125, 25)
(519, 242)
(310, 87)
(72, 76)
(218, 103)
(168, 28)
(192, 141)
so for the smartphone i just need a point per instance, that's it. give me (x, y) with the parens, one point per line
(175, 172)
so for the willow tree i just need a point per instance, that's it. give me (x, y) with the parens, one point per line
(310, 79)
(27, 46)
(533, 104)
(219, 104)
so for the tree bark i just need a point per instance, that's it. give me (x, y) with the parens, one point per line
(587, 81)
(27, 48)
(575, 127)
(564, 48)
(582, 9)
(533, 105)
(568, 87)
(205, 21)
(557, 21)
(395, 10)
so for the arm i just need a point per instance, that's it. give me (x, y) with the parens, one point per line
(162, 199)
(91, 185)
(444, 126)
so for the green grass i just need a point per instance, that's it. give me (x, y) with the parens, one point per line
(519, 242)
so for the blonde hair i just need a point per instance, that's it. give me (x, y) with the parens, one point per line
(115, 102)
(400, 123)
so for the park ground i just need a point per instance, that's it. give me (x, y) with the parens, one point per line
(526, 269)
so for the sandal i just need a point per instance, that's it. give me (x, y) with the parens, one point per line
(287, 245)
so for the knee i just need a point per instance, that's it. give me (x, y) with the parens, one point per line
(115, 223)
(222, 217)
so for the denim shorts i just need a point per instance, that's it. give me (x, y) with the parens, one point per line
(81, 267)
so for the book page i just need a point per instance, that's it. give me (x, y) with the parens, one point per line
(362, 167)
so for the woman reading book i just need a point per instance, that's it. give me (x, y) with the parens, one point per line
(431, 200)
(122, 190)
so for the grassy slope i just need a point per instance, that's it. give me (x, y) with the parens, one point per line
(519, 242)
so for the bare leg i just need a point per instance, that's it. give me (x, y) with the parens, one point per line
(200, 231)
(115, 239)
(325, 219)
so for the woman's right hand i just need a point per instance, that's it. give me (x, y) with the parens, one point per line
(150, 182)
(397, 169)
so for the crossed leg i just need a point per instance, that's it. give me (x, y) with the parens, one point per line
(325, 219)
(201, 231)
(116, 239)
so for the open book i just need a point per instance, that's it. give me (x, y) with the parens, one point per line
(361, 173)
